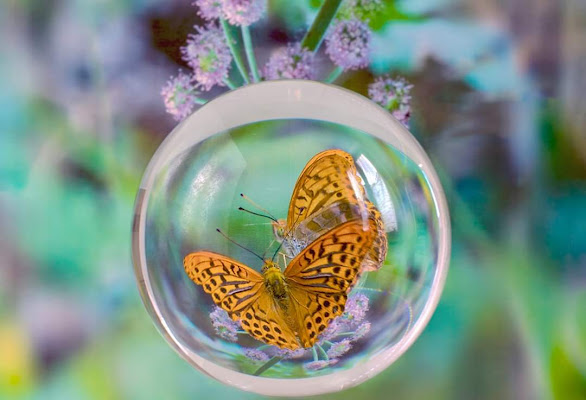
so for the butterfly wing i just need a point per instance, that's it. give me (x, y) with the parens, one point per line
(232, 285)
(329, 177)
(241, 292)
(266, 321)
(378, 253)
(320, 277)
(328, 192)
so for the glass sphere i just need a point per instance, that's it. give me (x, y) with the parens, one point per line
(246, 150)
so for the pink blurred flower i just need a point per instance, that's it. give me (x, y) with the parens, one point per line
(356, 308)
(361, 331)
(256, 354)
(319, 364)
(402, 114)
(290, 354)
(225, 327)
(394, 95)
(209, 9)
(243, 12)
(348, 44)
(291, 62)
(339, 348)
(208, 55)
(180, 96)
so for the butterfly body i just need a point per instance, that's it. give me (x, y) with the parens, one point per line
(275, 282)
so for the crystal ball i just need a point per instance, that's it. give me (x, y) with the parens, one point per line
(229, 186)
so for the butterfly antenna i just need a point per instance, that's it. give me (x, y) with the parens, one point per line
(245, 197)
(238, 244)
(268, 248)
(285, 234)
(277, 251)
(288, 231)
(255, 213)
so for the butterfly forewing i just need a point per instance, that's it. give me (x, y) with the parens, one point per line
(232, 285)
(326, 179)
(240, 291)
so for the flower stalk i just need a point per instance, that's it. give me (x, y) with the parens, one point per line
(314, 36)
(334, 75)
(322, 352)
(250, 53)
(231, 41)
(267, 365)
(230, 84)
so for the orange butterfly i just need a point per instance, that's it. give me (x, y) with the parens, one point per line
(329, 192)
(288, 309)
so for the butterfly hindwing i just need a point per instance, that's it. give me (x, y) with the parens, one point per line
(331, 263)
(378, 252)
(321, 276)
(232, 285)
(266, 321)
(315, 311)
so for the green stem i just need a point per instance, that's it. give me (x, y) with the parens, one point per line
(316, 32)
(322, 352)
(234, 50)
(250, 53)
(230, 84)
(200, 101)
(335, 74)
(314, 353)
(267, 365)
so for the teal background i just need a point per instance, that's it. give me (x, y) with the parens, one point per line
(498, 105)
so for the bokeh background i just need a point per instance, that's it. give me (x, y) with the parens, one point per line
(499, 103)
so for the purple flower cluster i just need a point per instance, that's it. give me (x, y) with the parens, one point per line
(208, 55)
(332, 344)
(351, 324)
(348, 44)
(180, 96)
(256, 354)
(339, 348)
(319, 364)
(224, 326)
(236, 12)
(243, 12)
(291, 62)
(209, 9)
(394, 95)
